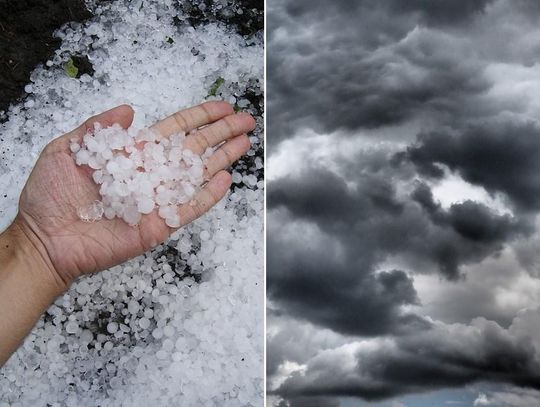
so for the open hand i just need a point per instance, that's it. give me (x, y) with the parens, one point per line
(57, 187)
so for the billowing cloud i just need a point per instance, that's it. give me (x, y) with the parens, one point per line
(373, 221)
(502, 157)
(393, 286)
(423, 73)
(445, 356)
(508, 397)
(369, 64)
(442, 12)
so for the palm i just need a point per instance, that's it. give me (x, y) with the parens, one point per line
(57, 187)
(51, 197)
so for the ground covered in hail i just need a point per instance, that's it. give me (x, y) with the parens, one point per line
(182, 324)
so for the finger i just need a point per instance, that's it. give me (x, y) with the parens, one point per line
(226, 155)
(224, 129)
(206, 198)
(189, 119)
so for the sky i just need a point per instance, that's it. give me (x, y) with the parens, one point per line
(403, 245)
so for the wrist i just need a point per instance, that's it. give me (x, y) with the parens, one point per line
(20, 246)
(28, 286)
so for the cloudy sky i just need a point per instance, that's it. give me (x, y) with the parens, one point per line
(403, 188)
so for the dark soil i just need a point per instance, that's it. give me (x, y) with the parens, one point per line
(26, 39)
(83, 65)
(248, 23)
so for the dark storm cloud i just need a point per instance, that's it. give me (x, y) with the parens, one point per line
(471, 220)
(372, 222)
(295, 341)
(432, 12)
(310, 402)
(335, 282)
(340, 239)
(445, 356)
(341, 288)
(441, 12)
(337, 295)
(389, 74)
(502, 157)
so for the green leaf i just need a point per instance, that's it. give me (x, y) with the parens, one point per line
(215, 86)
(70, 69)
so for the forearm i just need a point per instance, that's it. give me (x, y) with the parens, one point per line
(27, 287)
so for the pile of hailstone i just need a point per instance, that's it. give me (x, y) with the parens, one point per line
(183, 324)
(138, 170)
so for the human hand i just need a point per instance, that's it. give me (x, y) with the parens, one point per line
(57, 187)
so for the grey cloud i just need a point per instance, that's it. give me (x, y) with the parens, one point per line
(527, 255)
(434, 13)
(441, 12)
(472, 220)
(420, 75)
(310, 402)
(372, 69)
(500, 156)
(373, 222)
(509, 396)
(295, 341)
(477, 222)
(342, 289)
(445, 356)
(313, 285)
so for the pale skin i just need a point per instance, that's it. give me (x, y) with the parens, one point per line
(47, 246)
